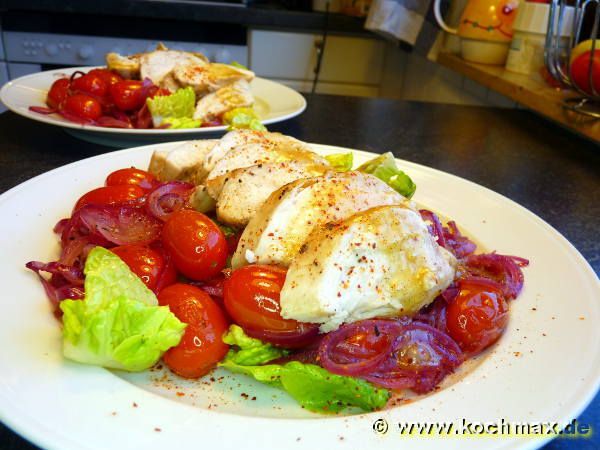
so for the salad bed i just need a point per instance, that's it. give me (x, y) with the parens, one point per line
(114, 318)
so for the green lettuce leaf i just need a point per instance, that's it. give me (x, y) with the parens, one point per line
(245, 118)
(313, 387)
(342, 162)
(175, 106)
(252, 352)
(181, 122)
(119, 323)
(384, 168)
(237, 65)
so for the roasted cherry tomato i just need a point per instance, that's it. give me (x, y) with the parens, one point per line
(128, 95)
(251, 296)
(110, 194)
(477, 316)
(91, 84)
(58, 93)
(134, 176)
(83, 106)
(196, 244)
(201, 347)
(148, 264)
(108, 76)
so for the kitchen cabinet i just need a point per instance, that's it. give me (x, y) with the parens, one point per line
(350, 65)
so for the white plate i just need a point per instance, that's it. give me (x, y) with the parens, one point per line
(545, 368)
(274, 102)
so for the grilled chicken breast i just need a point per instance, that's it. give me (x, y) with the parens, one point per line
(185, 162)
(238, 138)
(377, 263)
(282, 225)
(210, 77)
(245, 190)
(159, 65)
(213, 105)
(254, 154)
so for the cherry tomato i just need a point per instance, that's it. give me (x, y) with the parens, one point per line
(83, 106)
(133, 176)
(251, 296)
(477, 316)
(58, 93)
(128, 95)
(110, 194)
(146, 263)
(196, 244)
(108, 76)
(201, 347)
(91, 84)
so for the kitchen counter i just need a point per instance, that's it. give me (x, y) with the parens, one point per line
(260, 16)
(548, 170)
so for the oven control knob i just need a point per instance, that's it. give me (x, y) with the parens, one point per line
(222, 56)
(85, 52)
(51, 49)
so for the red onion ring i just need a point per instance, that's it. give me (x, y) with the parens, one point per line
(331, 342)
(287, 339)
(502, 269)
(120, 224)
(169, 197)
(436, 229)
(42, 110)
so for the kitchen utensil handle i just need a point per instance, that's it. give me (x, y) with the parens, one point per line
(440, 20)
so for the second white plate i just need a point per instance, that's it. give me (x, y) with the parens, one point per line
(274, 102)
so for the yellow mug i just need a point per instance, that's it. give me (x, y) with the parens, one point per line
(485, 29)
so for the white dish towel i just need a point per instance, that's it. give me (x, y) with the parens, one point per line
(398, 19)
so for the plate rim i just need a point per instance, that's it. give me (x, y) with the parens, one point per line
(576, 408)
(50, 120)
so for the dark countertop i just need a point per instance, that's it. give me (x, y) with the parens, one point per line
(261, 16)
(546, 169)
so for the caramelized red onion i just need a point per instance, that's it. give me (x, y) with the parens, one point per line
(504, 270)
(120, 224)
(448, 237)
(287, 339)
(169, 197)
(416, 356)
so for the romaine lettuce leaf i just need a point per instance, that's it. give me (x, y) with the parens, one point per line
(313, 387)
(384, 168)
(181, 122)
(246, 118)
(178, 105)
(342, 162)
(252, 352)
(119, 323)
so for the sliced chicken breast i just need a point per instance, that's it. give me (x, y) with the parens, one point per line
(245, 190)
(209, 78)
(282, 225)
(159, 65)
(251, 155)
(379, 263)
(237, 138)
(126, 66)
(185, 162)
(234, 95)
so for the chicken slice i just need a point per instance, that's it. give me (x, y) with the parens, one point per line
(210, 77)
(276, 233)
(236, 138)
(159, 65)
(215, 104)
(126, 66)
(379, 263)
(245, 190)
(253, 154)
(185, 162)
